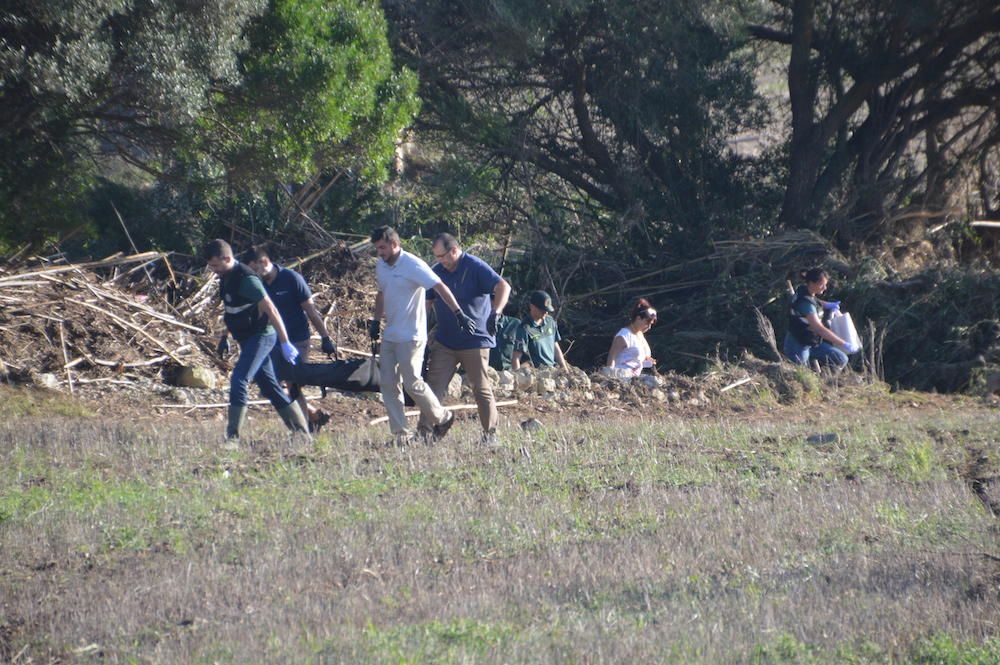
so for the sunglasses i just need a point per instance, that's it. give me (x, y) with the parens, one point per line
(649, 313)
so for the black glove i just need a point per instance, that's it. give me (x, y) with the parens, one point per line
(329, 348)
(465, 322)
(223, 348)
(374, 329)
(491, 323)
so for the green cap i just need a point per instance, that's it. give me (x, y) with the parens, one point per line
(541, 300)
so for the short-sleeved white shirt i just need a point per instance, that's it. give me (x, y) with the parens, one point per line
(403, 287)
(634, 356)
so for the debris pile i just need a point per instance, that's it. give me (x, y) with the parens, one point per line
(140, 321)
(74, 325)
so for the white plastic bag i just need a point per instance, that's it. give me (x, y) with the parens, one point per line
(843, 327)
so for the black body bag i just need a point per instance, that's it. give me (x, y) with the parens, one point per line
(359, 375)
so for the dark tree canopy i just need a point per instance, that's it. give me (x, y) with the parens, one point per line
(85, 80)
(625, 105)
(237, 95)
(889, 100)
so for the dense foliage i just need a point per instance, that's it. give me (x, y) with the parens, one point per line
(609, 115)
(198, 101)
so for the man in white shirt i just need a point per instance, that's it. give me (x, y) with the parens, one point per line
(402, 280)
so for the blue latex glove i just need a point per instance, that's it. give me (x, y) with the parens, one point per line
(851, 348)
(833, 304)
(465, 322)
(289, 351)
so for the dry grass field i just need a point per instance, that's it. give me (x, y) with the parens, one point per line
(716, 539)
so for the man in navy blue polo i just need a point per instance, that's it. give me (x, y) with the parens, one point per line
(290, 294)
(482, 294)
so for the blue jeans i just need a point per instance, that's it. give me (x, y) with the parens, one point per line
(255, 363)
(824, 354)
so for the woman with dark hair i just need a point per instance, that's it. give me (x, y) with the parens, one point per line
(629, 349)
(807, 338)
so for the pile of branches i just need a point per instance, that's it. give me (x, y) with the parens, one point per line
(74, 324)
(123, 319)
(936, 330)
(706, 304)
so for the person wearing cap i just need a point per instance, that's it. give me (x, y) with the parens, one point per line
(482, 294)
(538, 337)
(629, 349)
(290, 293)
(253, 320)
(402, 282)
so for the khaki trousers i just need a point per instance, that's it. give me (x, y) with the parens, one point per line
(400, 366)
(441, 368)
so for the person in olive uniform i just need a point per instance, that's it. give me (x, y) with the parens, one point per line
(502, 354)
(538, 338)
(252, 319)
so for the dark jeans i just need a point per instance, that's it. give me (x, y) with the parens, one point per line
(255, 363)
(824, 354)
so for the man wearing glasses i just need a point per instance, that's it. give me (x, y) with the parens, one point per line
(482, 294)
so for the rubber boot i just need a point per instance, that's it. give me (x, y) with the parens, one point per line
(293, 418)
(237, 414)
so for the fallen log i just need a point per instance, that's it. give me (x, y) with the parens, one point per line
(113, 260)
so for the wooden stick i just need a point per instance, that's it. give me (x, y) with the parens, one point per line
(217, 405)
(131, 326)
(315, 255)
(738, 383)
(135, 249)
(145, 309)
(354, 352)
(117, 382)
(69, 372)
(113, 260)
(459, 407)
(113, 363)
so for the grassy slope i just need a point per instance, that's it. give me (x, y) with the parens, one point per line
(676, 540)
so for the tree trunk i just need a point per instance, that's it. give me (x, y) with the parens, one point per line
(804, 156)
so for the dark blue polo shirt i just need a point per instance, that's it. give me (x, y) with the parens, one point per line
(472, 283)
(288, 291)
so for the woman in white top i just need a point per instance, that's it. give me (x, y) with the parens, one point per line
(629, 349)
